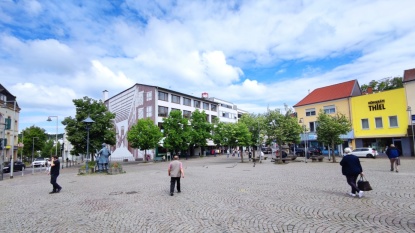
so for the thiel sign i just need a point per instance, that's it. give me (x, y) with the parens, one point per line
(376, 105)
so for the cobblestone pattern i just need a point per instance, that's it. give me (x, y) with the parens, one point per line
(218, 195)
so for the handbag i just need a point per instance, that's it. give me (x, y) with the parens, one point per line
(363, 184)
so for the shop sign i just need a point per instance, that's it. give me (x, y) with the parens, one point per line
(376, 105)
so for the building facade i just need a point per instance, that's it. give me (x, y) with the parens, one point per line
(9, 115)
(409, 85)
(380, 119)
(331, 100)
(145, 101)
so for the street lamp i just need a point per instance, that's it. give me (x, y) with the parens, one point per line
(88, 121)
(33, 151)
(12, 129)
(2, 150)
(56, 136)
(305, 139)
(412, 126)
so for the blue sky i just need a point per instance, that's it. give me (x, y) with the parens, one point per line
(253, 53)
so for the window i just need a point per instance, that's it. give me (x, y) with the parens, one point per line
(310, 112)
(196, 104)
(365, 123)
(187, 114)
(149, 96)
(225, 114)
(329, 109)
(313, 126)
(187, 101)
(378, 122)
(175, 99)
(175, 109)
(213, 107)
(393, 121)
(163, 96)
(140, 113)
(206, 106)
(213, 117)
(207, 117)
(163, 111)
(149, 111)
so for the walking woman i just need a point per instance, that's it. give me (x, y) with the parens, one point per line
(351, 168)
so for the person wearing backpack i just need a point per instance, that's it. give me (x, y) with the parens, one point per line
(393, 154)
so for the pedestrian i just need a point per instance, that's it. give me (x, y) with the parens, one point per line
(393, 154)
(47, 166)
(54, 173)
(175, 172)
(352, 168)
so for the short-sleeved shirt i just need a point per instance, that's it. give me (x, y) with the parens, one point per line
(175, 167)
(55, 169)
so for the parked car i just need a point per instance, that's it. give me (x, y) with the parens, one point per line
(301, 152)
(326, 152)
(39, 162)
(365, 152)
(315, 150)
(18, 166)
(266, 150)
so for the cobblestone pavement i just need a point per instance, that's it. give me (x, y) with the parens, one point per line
(218, 195)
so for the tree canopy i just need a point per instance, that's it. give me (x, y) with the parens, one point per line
(34, 138)
(144, 135)
(101, 131)
(330, 128)
(176, 132)
(383, 84)
(200, 129)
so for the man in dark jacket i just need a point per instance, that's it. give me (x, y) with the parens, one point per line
(54, 173)
(393, 154)
(351, 168)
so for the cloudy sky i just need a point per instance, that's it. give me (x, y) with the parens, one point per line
(254, 53)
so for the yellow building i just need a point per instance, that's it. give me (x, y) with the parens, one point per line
(380, 119)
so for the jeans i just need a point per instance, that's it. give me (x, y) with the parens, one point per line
(173, 181)
(351, 180)
(55, 185)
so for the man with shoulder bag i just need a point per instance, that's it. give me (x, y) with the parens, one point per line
(393, 154)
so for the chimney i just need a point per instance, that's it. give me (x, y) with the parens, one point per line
(369, 90)
(105, 96)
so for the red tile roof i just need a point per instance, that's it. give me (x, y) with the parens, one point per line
(409, 75)
(333, 92)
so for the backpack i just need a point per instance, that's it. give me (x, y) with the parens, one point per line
(394, 153)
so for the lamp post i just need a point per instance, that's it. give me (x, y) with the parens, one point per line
(2, 150)
(12, 129)
(33, 152)
(259, 144)
(305, 139)
(88, 121)
(412, 127)
(56, 136)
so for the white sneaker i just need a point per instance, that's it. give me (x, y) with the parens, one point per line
(360, 194)
(352, 194)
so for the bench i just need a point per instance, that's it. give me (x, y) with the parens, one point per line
(317, 157)
(158, 159)
(289, 157)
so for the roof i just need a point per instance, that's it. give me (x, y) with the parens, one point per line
(409, 75)
(333, 92)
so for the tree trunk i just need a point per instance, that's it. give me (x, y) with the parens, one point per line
(334, 154)
(242, 154)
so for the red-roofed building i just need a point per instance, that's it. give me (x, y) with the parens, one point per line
(331, 100)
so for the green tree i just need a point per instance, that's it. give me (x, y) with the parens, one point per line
(282, 128)
(33, 137)
(330, 128)
(176, 132)
(237, 134)
(255, 124)
(101, 131)
(384, 84)
(219, 133)
(144, 135)
(200, 130)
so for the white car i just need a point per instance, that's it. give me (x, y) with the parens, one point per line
(39, 162)
(365, 152)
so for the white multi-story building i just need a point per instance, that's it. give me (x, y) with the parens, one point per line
(145, 101)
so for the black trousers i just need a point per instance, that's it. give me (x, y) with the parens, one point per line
(173, 181)
(55, 185)
(351, 180)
